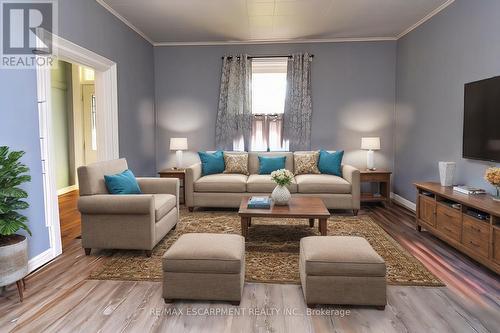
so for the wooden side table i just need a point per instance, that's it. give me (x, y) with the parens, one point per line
(179, 174)
(383, 177)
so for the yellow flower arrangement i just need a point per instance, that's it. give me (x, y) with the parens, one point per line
(492, 175)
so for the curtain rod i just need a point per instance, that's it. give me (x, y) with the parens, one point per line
(270, 56)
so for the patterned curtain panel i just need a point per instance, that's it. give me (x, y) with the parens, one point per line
(234, 116)
(298, 103)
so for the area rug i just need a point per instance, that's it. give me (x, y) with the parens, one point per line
(272, 249)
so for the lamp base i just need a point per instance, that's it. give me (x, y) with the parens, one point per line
(370, 160)
(178, 157)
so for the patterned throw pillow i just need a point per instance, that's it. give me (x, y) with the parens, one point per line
(306, 163)
(236, 163)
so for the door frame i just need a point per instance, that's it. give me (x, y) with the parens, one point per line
(107, 129)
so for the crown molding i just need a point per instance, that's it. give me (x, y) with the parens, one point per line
(425, 19)
(277, 41)
(124, 20)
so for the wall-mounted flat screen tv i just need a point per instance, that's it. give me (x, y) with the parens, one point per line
(481, 139)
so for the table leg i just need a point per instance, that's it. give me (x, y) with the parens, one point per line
(249, 221)
(244, 226)
(311, 223)
(322, 226)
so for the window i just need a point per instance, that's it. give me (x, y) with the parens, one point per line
(268, 103)
(268, 85)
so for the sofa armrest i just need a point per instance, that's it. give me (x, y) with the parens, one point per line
(153, 185)
(133, 204)
(193, 173)
(352, 175)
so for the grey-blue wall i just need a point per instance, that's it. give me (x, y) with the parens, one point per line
(19, 131)
(89, 25)
(353, 88)
(459, 45)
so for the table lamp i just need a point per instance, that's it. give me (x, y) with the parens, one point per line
(178, 144)
(370, 144)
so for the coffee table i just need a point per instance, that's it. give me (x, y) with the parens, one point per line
(299, 207)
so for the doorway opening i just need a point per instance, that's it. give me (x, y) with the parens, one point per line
(74, 139)
(98, 137)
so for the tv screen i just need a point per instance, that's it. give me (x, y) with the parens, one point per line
(481, 139)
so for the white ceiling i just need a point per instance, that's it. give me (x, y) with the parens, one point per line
(243, 21)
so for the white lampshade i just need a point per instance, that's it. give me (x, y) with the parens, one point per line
(178, 144)
(370, 143)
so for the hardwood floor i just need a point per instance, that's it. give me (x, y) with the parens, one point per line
(69, 218)
(58, 298)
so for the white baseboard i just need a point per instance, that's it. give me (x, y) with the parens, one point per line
(40, 260)
(67, 189)
(404, 202)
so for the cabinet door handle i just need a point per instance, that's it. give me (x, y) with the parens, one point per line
(475, 244)
(447, 229)
(475, 229)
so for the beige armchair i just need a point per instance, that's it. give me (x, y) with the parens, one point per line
(137, 221)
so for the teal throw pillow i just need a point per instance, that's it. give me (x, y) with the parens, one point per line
(330, 163)
(211, 163)
(122, 183)
(269, 164)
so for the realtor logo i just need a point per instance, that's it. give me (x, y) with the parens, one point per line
(27, 30)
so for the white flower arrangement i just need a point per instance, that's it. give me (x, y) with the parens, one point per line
(282, 177)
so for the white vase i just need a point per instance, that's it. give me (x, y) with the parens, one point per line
(446, 173)
(281, 195)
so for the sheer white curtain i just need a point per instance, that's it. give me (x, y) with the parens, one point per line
(267, 133)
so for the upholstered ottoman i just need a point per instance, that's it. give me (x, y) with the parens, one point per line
(341, 270)
(205, 267)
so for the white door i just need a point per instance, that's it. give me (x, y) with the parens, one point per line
(89, 123)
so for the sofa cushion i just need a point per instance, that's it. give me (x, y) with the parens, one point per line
(164, 203)
(122, 183)
(330, 163)
(211, 163)
(91, 177)
(263, 183)
(306, 163)
(268, 164)
(222, 182)
(322, 184)
(205, 253)
(254, 164)
(340, 256)
(236, 163)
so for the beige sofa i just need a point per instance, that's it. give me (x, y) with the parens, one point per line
(136, 221)
(226, 190)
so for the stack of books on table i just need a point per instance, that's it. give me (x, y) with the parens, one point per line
(468, 189)
(259, 203)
